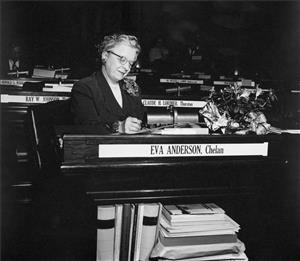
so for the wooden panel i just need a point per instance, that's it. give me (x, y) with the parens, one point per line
(81, 149)
(140, 179)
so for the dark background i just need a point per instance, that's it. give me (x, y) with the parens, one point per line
(260, 37)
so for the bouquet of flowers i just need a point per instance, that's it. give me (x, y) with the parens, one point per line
(238, 110)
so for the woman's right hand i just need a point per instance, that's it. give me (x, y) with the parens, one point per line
(130, 125)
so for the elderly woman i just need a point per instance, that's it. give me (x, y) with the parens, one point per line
(106, 98)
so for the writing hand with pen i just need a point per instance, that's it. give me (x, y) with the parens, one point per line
(130, 125)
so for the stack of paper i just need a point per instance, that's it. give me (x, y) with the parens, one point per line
(197, 232)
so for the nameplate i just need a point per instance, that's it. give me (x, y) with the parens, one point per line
(182, 150)
(175, 103)
(196, 57)
(239, 83)
(18, 73)
(178, 89)
(295, 91)
(7, 98)
(15, 82)
(181, 81)
(59, 85)
(57, 89)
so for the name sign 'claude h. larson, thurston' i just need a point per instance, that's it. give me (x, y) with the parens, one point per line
(182, 150)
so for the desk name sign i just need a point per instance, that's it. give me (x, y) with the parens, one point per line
(183, 81)
(239, 83)
(175, 103)
(12, 82)
(7, 98)
(182, 150)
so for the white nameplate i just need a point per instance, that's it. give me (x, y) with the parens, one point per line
(239, 83)
(6, 98)
(58, 85)
(197, 57)
(181, 81)
(295, 91)
(15, 82)
(18, 73)
(175, 103)
(57, 89)
(181, 150)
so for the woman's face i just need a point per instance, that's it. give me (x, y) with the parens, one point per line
(118, 61)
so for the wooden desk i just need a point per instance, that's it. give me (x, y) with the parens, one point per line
(257, 191)
(15, 140)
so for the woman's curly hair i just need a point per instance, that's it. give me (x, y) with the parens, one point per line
(110, 41)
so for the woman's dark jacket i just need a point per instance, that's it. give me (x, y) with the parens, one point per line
(93, 103)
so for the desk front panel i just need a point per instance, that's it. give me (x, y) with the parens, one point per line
(164, 178)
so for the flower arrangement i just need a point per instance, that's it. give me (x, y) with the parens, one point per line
(238, 110)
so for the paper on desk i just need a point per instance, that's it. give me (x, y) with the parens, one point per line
(182, 131)
(291, 131)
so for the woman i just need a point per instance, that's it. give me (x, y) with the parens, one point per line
(106, 98)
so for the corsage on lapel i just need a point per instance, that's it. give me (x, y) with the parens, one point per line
(130, 86)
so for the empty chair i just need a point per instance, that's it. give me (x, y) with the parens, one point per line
(41, 121)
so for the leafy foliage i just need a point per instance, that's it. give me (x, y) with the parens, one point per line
(235, 108)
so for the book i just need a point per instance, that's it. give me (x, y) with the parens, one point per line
(131, 229)
(192, 251)
(138, 231)
(193, 212)
(182, 225)
(227, 223)
(195, 223)
(229, 257)
(105, 232)
(117, 232)
(150, 228)
(198, 240)
(196, 233)
(207, 208)
(126, 231)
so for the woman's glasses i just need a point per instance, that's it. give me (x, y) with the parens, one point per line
(123, 60)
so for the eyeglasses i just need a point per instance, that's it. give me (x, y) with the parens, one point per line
(123, 60)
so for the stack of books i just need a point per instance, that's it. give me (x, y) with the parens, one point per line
(197, 232)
